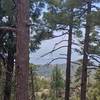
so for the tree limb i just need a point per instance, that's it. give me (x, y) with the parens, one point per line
(56, 59)
(97, 8)
(55, 36)
(53, 51)
(7, 29)
(65, 41)
(62, 58)
(94, 59)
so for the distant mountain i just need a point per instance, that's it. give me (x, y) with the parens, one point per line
(44, 70)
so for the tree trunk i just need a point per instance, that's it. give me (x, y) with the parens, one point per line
(68, 69)
(22, 50)
(85, 53)
(9, 70)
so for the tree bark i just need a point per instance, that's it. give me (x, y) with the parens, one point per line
(68, 69)
(85, 53)
(9, 70)
(22, 50)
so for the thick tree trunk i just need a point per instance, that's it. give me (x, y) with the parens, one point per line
(68, 69)
(85, 53)
(22, 50)
(9, 70)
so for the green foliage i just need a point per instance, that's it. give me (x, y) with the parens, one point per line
(97, 75)
(56, 19)
(57, 79)
(95, 18)
(7, 7)
(94, 90)
(94, 43)
(56, 3)
(78, 74)
(57, 83)
(73, 4)
(78, 33)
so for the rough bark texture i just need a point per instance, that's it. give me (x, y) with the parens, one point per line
(68, 69)
(85, 53)
(22, 51)
(9, 71)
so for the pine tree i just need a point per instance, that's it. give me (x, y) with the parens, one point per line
(57, 82)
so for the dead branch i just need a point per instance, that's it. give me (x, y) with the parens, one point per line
(65, 41)
(61, 28)
(63, 54)
(56, 59)
(53, 51)
(92, 68)
(97, 8)
(97, 56)
(62, 58)
(56, 36)
(7, 29)
(58, 43)
(94, 58)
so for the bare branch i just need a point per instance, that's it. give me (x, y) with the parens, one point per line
(61, 28)
(63, 54)
(53, 51)
(59, 43)
(56, 59)
(97, 8)
(75, 62)
(95, 59)
(7, 29)
(64, 41)
(56, 36)
(92, 68)
(97, 56)
(62, 58)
